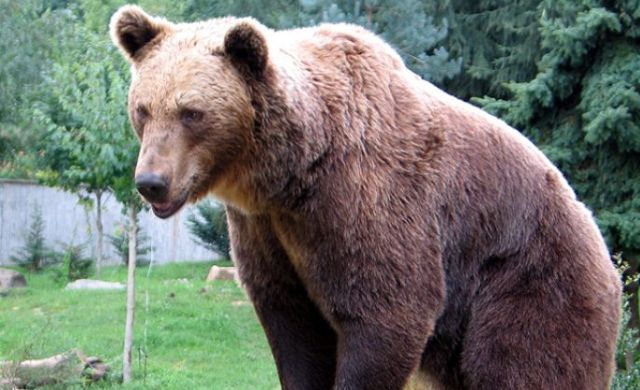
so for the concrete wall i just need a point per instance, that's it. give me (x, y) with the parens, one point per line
(67, 221)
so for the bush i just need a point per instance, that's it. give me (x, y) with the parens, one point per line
(628, 361)
(120, 242)
(627, 378)
(209, 226)
(74, 264)
(35, 255)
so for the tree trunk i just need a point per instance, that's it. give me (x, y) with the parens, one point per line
(131, 297)
(99, 230)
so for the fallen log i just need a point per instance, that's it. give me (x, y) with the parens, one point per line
(68, 367)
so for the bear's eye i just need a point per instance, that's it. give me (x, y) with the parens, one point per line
(190, 117)
(142, 113)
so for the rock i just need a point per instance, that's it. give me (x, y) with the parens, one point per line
(222, 273)
(11, 279)
(89, 284)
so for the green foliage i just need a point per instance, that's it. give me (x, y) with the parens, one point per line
(29, 35)
(627, 378)
(627, 355)
(35, 255)
(497, 40)
(208, 224)
(88, 145)
(272, 13)
(120, 243)
(74, 263)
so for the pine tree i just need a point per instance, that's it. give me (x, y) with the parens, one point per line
(35, 254)
(275, 14)
(208, 224)
(497, 40)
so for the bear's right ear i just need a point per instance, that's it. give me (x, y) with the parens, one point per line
(247, 47)
(132, 29)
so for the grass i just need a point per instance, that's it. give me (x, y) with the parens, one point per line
(195, 335)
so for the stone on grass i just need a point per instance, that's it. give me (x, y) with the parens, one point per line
(90, 284)
(11, 279)
(222, 273)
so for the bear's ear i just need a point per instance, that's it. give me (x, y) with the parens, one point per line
(246, 46)
(132, 29)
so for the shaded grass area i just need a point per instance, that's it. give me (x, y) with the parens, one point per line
(194, 335)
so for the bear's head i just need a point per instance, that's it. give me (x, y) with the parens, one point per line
(190, 102)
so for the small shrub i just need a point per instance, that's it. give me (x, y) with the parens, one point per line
(120, 242)
(35, 255)
(628, 375)
(74, 264)
(627, 378)
(209, 227)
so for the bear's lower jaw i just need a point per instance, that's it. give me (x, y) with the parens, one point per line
(166, 209)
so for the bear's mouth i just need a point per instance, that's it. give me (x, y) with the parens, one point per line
(166, 209)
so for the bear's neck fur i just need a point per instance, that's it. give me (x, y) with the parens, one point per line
(314, 120)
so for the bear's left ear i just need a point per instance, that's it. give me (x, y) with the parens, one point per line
(132, 29)
(247, 48)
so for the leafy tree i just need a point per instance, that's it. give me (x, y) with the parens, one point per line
(29, 34)
(88, 145)
(583, 109)
(209, 226)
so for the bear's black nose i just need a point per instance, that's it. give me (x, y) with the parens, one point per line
(153, 187)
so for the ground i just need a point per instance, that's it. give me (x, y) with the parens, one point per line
(193, 340)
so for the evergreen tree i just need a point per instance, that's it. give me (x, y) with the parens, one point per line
(497, 40)
(209, 227)
(275, 14)
(35, 254)
(75, 265)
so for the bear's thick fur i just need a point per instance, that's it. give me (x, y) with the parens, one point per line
(380, 225)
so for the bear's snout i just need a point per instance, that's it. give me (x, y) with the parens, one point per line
(153, 187)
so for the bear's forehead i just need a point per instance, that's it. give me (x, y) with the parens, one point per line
(168, 77)
(207, 36)
(184, 52)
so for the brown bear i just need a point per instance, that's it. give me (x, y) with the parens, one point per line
(381, 227)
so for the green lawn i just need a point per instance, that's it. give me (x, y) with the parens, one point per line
(195, 335)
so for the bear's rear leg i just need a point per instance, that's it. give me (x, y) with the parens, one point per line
(542, 329)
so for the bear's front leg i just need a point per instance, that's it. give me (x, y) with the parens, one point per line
(384, 301)
(376, 357)
(302, 342)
